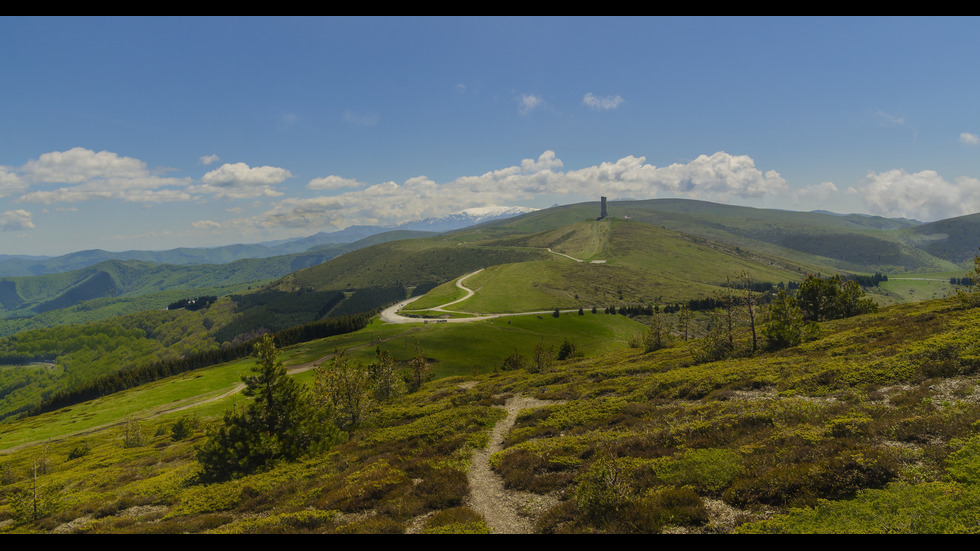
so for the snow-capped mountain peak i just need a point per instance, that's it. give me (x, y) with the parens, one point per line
(466, 217)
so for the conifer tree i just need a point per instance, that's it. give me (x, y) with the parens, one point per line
(278, 423)
(785, 326)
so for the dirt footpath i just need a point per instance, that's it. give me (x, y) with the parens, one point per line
(505, 511)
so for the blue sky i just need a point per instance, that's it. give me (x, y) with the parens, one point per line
(154, 133)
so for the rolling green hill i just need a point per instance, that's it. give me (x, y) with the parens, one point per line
(954, 239)
(116, 287)
(615, 262)
(869, 424)
(648, 251)
(853, 243)
(32, 266)
(559, 258)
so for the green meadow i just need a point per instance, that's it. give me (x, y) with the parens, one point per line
(465, 349)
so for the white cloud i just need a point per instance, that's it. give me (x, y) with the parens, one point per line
(333, 182)
(209, 159)
(108, 189)
(922, 195)
(10, 182)
(240, 181)
(602, 104)
(718, 177)
(527, 103)
(16, 220)
(205, 224)
(969, 139)
(102, 175)
(79, 165)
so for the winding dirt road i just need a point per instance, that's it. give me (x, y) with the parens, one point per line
(391, 315)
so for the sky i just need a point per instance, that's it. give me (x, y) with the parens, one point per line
(152, 133)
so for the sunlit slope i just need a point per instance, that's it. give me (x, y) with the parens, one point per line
(468, 350)
(610, 262)
(954, 239)
(853, 242)
(409, 263)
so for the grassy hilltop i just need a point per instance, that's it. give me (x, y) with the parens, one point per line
(585, 420)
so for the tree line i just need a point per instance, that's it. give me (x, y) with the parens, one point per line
(140, 375)
(193, 304)
(778, 318)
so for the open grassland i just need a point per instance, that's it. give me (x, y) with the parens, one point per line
(453, 349)
(640, 265)
(919, 287)
(874, 426)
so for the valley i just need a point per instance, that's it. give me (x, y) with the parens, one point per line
(554, 307)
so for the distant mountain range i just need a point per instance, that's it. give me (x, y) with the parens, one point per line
(89, 285)
(21, 265)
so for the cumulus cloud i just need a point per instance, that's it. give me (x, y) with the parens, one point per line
(205, 225)
(921, 195)
(209, 159)
(969, 139)
(240, 181)
(16, 220)
(602, 104)
(79, 165)
(10, 182)
(527, 103)
(717, 177)
(333, 182)
(103, 175)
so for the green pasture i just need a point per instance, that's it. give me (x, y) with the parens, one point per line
(465, 349)
(144, 401)
(918, 287)
(442, 294)
(521, 287)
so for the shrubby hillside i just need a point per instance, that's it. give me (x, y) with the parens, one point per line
(672, 382)
(867, 425)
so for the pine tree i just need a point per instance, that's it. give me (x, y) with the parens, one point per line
(278, 423)
(786, 326)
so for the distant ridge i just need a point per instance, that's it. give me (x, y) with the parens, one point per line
(21, 266)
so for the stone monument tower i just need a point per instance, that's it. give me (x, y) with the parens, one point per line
(602, 212)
